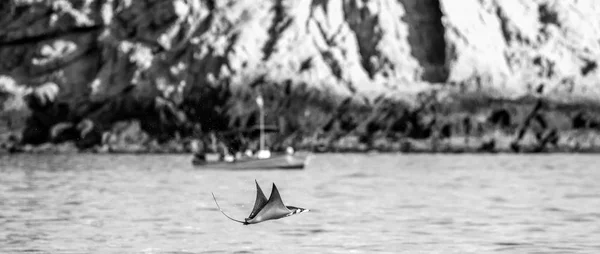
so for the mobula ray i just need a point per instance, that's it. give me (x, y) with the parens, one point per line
(264, 209)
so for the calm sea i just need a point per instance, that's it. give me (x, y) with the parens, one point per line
(359, 204)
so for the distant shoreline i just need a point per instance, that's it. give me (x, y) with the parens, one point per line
(593, 151)
(414, 148)
(451, 124)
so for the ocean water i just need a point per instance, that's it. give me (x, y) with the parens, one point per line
(359, 204)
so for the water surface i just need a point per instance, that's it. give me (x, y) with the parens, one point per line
(359, 204)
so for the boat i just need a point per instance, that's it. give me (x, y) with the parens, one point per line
(276, 161)
(263, 159)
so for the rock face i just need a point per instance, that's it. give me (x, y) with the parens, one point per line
(186, 66)
(524, 46)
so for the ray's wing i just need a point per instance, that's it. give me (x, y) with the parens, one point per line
(274, 209)
(243, 222)
(261, 201)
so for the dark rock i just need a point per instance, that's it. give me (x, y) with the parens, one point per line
(62, 132)
(589, 67)
(515, 147)
(467, 125)
(488, 146)
(34, 133)
(446, 131)
(579, 122)
(540, 89)
(584, 121)
(89, 134)
(501, 118)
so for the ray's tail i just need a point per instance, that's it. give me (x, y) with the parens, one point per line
(221, 210)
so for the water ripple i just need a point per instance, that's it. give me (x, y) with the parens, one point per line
(362, 204)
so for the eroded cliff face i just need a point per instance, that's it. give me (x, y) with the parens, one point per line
(186, 66)
(522, 46)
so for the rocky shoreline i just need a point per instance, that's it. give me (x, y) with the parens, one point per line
(440, 123)
(348, 145)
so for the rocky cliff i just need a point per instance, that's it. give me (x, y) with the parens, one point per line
(336, 71)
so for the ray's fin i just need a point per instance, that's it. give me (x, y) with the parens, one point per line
(274, 209)
(275, 198)
(261, 201)
(243, 222)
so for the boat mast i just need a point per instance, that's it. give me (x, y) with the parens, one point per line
(260, 102)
